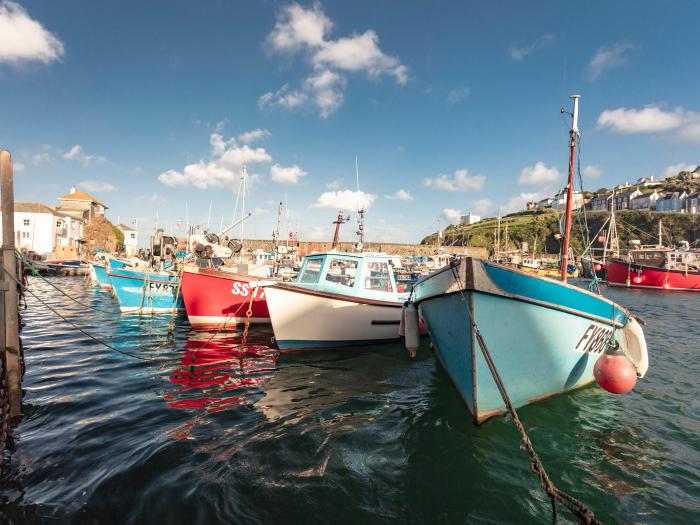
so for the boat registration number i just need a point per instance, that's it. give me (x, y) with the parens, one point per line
(162, 287)
(243, 290)
(594, 340)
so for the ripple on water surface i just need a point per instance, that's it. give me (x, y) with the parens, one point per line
(202, 429)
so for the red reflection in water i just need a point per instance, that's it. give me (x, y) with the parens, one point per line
(218, 373)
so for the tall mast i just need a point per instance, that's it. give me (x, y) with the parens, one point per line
(360, 212)
(573, 136)
(276, 240)
(245, 176)
(661, 244)
(340, 220)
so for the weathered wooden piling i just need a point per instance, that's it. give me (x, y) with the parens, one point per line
(9, 316)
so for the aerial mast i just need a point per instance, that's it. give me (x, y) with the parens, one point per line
(573, 137)
(340, 220)
(360, 213)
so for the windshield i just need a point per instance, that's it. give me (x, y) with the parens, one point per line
(311, 271)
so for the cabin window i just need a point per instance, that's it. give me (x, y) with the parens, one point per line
(25, 222)
(377, 277)
(311, 271)
(342, 271)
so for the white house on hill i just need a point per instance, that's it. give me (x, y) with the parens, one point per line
(42, 230)
(131, 239)
(468, 219)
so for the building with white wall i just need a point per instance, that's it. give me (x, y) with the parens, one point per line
(40, 229)
(131, 239)
(468, 219)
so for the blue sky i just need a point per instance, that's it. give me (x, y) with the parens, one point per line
(449, 106)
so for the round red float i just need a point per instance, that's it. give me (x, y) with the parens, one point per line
(615, 373)
(598, 267)
(636, 279)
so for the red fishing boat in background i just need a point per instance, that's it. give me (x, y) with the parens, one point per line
(219, 299)
(656, 268)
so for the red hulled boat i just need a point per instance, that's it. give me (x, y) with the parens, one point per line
(662, 269)
(219, 300)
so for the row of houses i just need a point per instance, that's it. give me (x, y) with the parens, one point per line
(673, 202)
(57, 232)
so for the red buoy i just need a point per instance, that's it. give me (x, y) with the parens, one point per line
(636, 279)
(615, 373)
(598, 267)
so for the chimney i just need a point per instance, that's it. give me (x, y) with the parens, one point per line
(72, 190)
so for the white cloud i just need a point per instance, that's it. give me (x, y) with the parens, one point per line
(260, 211)
(457, 95)
(518, 202)
(23, 39)
(400, 195)
(75, 154)
(18, 167)
(520, 53)
(690, 131)
(96, 186)
(609, 58)
(39, 159)
(300, 29)
(283, 98)
(481, 206)
(251, 136)
(538, 174)
(650, 119)
(152, 198)
(325, 88)
(461, 181)
(297, 27)
(344, 200)
(450, 215)
(222, 170)
(334, 184)
(674, 169)
(289, 175)
(591, 172)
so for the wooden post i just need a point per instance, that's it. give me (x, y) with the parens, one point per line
(9, 271)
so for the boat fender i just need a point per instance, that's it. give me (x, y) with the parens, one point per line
(614, 372)
(411, 328)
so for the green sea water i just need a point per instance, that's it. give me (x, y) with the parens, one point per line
(206, 431)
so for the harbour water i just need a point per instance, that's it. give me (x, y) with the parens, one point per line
(201, 430)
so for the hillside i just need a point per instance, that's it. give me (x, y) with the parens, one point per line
(538, 228)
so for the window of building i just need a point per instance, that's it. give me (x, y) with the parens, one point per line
(25, 235)
(377, 277)
(342, 271)
(25, 222)
(133, 236)
(59, 224)
(311, 272)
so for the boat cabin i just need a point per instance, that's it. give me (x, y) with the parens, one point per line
(368, 275)
(667, 259)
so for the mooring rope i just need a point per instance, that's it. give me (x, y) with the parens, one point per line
(74, 325)
(582, 512)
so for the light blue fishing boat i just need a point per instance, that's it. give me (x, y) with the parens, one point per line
(99, 275)
(146, 291)
(544, 335)
(116, 263)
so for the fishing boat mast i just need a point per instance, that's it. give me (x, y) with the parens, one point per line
(360, 213)
(573, 136)
(276, 241)
(340, 220)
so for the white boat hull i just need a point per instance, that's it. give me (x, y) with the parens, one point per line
(306, 319)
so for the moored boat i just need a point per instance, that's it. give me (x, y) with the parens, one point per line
(338, 299)
(502, 333)
(146, 291)
(219, 300)
(656, 268)
(98, 273)
(544, 335)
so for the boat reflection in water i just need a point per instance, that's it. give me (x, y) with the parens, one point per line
(217, 372)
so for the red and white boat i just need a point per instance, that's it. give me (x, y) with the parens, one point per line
(219, 299)
(656, 268)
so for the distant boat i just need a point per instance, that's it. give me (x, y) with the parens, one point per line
(662, 269)
(544, 336)
(68, 266)
(146, 291)
(338, 299)
(219, 299)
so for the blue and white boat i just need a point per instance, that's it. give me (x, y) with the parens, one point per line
(98, 273)
(544, 335)
(146, 291)
(337, 299)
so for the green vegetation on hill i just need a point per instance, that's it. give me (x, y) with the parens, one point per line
(538, 229)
